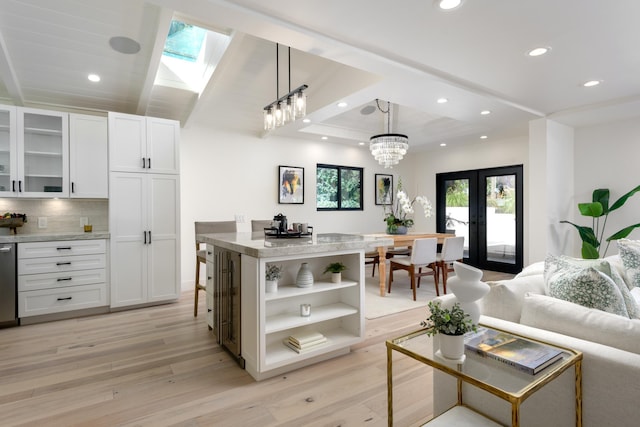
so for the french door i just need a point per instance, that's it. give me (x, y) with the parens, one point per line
(484, 206)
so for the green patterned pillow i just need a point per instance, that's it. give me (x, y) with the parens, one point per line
(587, 287)
(630, 255)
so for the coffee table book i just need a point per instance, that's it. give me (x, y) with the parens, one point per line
(525, 355)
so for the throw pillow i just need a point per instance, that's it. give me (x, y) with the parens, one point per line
(554, 264)
(551, 314)
(504, 299)
(630, 254)
(587, 287)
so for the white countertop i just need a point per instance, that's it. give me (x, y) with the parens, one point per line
(23, 238)
(255, 245)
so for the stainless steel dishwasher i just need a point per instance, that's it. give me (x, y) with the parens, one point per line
(8, 285)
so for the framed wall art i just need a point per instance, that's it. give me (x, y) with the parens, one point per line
(290, 185)
(384, 189)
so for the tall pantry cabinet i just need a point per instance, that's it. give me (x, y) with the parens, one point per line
(144, 209)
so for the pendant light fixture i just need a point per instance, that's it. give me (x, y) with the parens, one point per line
(285, 108)
(388, 148)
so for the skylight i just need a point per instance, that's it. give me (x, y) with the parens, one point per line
(184, 41)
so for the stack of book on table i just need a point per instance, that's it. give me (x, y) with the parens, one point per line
(525, 355)
(302, 342)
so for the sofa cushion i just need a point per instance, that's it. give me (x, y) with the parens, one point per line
(552, 314)
(630, 255)
(504, 299)
(572, 280)
(537, 268)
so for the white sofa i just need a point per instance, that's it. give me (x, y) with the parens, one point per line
(611, 361)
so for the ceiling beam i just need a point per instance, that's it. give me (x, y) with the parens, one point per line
(164, 22)
(8, 74)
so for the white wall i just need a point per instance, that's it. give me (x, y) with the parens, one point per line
(608, 156)
(224, 174)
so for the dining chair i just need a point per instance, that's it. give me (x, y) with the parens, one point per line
(423, 255)
(260, 224)
(207, 227)
(452, 250)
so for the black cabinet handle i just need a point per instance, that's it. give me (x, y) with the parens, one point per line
(149, 236)
(64, 248)
(143, 163)
(62, 279)
(63, 263)
(13, 185)
(145, 237)
(149, 162)
(65, 299)
(20, 186)
(73, 187)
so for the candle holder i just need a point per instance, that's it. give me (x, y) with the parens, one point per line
(305, 310)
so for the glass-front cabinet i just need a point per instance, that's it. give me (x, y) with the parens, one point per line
(8, 154)
(43, 153)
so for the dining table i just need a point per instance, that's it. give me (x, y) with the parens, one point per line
(400, 240)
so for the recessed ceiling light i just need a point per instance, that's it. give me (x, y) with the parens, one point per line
(306, 120)
(591, 83)
(442, 144)
(442, 100)
(538, 51)
(93, 78)
(485, 112)
(484, 137)
(448, 4)
(342, 104)
(324, 138)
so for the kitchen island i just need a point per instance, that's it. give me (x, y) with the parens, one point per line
(254, 325)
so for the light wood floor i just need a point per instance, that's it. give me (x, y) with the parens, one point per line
(161, 366)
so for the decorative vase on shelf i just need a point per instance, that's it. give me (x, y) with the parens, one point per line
(451, 346)
(400, 229)
(336, 277)
(272, 286)
(304, 279)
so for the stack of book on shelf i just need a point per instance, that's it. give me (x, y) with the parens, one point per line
(303, 342)
(525, 355)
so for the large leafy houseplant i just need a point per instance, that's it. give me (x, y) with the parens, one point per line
(597, 209)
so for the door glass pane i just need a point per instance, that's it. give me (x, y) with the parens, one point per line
(457, 209)
(5, 165)
(501, 218)
(42, 153)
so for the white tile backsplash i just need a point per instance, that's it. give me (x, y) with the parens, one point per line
(63, 215)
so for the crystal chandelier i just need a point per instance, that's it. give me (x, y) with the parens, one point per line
(285, 108)
(388, 148)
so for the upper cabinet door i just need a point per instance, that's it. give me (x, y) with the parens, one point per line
(88, 154)
(143, 144)
(163, 138)
(43, 153)
(8, 150)
(127, 143)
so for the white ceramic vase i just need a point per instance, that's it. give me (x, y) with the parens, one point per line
(336, 277)
(468, 289)
(271, 286)
(451, 346)
(304, 279)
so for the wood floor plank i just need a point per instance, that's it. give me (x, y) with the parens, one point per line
(160, 366)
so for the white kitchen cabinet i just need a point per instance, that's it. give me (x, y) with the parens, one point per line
(144, 218)
(34, 153)
(60, 276)
(143, 144)
(269, 318)
(8, 149)
(88, 157)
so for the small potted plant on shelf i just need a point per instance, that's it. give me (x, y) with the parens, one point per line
(451, 324)
(273, 273)
(336, 269)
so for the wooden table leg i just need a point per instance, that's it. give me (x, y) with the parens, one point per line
(382, 269)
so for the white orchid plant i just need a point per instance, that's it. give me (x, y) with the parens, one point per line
(400, 214)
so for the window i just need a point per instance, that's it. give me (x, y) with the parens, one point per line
(338, 188)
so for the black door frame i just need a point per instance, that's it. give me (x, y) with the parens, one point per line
(477, 219)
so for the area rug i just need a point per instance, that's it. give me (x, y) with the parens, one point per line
(400, 299)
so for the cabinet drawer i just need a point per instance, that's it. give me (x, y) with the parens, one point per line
(59, 264)
(61, 248)
(47, 301)
(31, 282)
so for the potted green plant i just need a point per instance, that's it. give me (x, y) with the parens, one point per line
(273, 273)
(336, 269)
(599, 207)
(451, 324)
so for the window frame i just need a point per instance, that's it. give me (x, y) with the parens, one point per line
(340, 169)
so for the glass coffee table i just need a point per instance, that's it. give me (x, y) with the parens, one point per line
(503, 381)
